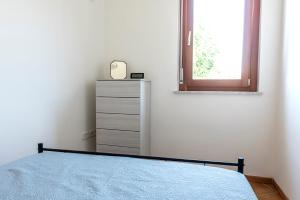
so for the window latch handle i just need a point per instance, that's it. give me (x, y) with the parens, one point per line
(189, 38)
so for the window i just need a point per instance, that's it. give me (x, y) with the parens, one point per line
(220, 45)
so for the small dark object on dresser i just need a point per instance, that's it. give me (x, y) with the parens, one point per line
(137, 76)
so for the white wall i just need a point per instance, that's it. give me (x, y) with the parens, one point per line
(287, 149)
(50, 55)
(52, 51)
(221, 127)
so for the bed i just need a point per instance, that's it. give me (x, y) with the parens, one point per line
(62, 175)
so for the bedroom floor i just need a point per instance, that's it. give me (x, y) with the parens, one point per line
(265, 191)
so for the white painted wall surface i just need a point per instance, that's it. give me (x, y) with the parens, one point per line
(220, 127)
(52, 51)
(50, 56)
(287, 147)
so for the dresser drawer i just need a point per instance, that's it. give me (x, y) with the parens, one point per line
(118, 89)
(118, 122)
(118, 138)
(118, 105)
(117, 150)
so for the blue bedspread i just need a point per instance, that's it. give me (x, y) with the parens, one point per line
(59, 176)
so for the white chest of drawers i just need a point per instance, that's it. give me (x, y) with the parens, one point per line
(123, 116)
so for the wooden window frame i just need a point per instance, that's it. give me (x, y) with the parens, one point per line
(249, 80)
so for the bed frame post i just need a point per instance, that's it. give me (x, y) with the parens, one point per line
(40, 147)
(241, 164)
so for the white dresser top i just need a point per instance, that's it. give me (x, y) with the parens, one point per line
(142, 80)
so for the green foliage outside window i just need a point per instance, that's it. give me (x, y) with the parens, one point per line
(205, 53)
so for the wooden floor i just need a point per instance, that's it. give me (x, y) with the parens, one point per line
(265, 191)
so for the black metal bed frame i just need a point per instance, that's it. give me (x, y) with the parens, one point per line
(240, 164)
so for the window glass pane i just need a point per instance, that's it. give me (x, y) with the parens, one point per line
(218, 39)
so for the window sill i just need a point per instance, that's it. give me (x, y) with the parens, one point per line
(219, 93)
